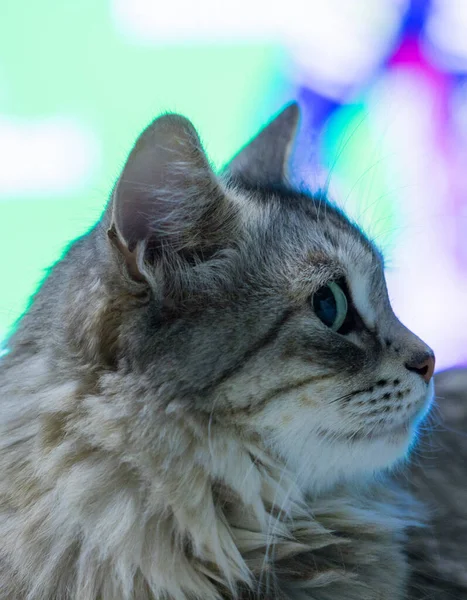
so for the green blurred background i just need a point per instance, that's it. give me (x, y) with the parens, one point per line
(65, 62)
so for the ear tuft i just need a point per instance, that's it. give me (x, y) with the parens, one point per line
(130, 257)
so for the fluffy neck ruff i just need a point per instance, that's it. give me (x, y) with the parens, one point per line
(190, 510)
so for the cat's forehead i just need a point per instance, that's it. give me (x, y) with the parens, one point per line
(309, 227)
(309, 242)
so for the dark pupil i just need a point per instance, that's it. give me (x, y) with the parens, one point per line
(324, 305)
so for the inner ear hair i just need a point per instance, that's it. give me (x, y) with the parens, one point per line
(130, 257)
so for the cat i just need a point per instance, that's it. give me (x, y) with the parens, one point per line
(438, 551)
(208, 392)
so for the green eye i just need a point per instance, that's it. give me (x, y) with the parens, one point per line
(330, 305)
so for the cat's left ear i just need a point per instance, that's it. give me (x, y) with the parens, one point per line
(167, 198)
(264, 160)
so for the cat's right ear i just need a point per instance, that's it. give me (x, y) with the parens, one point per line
(167, 198)
(264, 160)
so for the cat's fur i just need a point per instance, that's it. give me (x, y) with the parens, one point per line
(177, 423)
(438, 552)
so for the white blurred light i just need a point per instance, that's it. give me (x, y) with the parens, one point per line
(446, 31)
(335, 43)
(45, 158)
(403, 110)
(344, 42)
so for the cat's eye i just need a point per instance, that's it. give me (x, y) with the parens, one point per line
(330, 305)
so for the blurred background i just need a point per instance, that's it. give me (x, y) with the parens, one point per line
(383, 89)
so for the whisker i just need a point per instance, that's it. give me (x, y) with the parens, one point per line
(344, 397)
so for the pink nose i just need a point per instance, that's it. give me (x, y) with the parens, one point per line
(423, 365)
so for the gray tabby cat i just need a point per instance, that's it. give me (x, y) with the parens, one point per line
(205, 394)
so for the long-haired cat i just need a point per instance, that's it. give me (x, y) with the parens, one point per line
(203, 399)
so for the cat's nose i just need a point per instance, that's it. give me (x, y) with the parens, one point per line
(423, 364)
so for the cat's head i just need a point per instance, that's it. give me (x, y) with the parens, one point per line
(261, 307)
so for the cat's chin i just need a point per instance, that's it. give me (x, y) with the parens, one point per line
(362, 459)
(321, 463)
